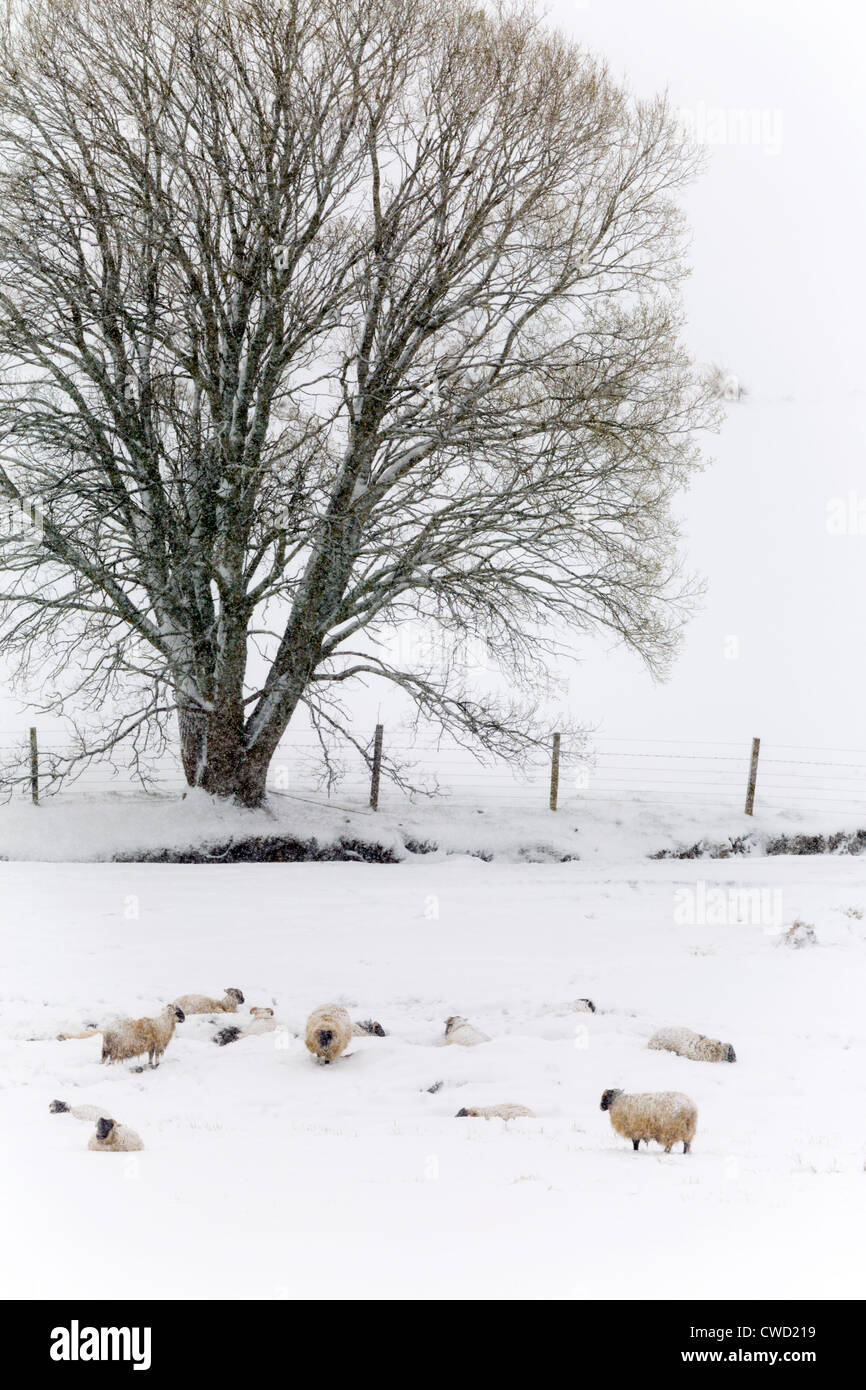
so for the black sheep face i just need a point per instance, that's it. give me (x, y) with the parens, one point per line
(179, 1015)
(104, 1128)
(608, 1098)
(730, 1054)
(58, 1107)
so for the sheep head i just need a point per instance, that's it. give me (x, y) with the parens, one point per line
(104, 1128)
(609, 1097)
(235, 994)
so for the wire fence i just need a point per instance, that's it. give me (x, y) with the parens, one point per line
(604, 768)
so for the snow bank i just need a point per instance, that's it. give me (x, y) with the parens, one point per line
(70, 827)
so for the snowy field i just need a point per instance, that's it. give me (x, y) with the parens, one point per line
(266, 1176)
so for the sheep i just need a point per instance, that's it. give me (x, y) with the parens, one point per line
(799, 935)
(368, 1027)
(203, 1004)
(463, 1033)
(669, 1117)
(263, 1021)
(328, 1032)
(131, 1037)
(506, 1111)
(110, 1137)
(80, 1112)
(685, 1043)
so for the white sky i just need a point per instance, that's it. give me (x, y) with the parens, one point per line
(777, 295)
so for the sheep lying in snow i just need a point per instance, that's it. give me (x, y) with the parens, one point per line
(111, 1137)
(685, 1043)
(669, 1117)
(506, 1111)
(461, 1032)
(203, 1004)
(799, 935)
(571, 1006)
(367, 1028)
(328, 1032)
(131, 1037)
(80, 1112)
(262, 1021)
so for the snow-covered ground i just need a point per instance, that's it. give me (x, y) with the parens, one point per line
(265, 1175)
(70, 827)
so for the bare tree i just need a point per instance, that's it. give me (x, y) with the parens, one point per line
(316, 315)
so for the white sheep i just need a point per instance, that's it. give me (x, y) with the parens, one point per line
(368, 1027)
(111, 1137)
(328, 1032)
(571, 1006)
(203, 1004)
(79, 1112)
(458, 1030)
(695, 1046)
(262, 1021)
(799, 935)
(506, 1111)
(668, 1117)
(131, 1037)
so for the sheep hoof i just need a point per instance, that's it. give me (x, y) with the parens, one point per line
(635, 1143)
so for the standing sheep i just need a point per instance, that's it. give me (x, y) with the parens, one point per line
(458, 1030)
(668, 1117)
(203, 1004)
(131, 1037)
(328, 1032)
(111, 1137)
(685, 1043)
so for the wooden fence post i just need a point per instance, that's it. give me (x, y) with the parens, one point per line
(377, 767)
(753, 777)
(554, 772)
(34, 768)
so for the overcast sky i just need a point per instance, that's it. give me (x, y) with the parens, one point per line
(777, 296)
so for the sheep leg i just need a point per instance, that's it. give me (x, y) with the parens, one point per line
(668, 1149)
(635, 1143)
(687, 1148)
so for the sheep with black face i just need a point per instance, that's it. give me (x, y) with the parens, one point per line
(203, 1004)
(695, 1046)
(132, 1037)
(668, 1117)
(110, 1137)
(328, 1032)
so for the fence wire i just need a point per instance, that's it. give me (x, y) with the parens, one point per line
(607, 768)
